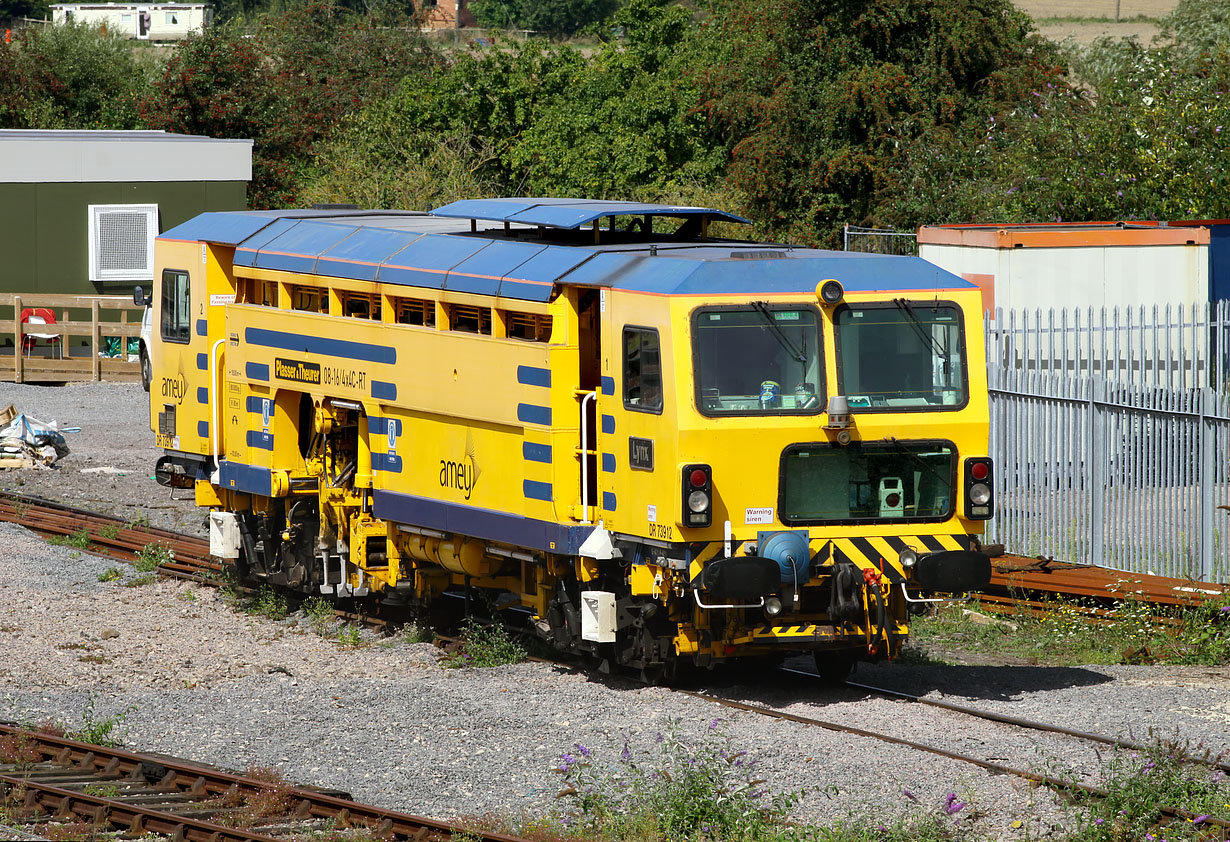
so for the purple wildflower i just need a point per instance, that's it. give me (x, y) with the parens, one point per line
(909, 794)
(951, 805)
(660, 738)
(713, 723)
(1098, 821)
(1150, 765)
(626, 754)
(1225, 609)
(1201, 819)
(585, 752)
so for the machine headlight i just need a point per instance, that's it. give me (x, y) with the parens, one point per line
(908, 558)
(698, 501)
(980, 494)
(772, 606)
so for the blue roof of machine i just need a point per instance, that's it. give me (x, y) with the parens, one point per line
(567, 213)
(438, 252)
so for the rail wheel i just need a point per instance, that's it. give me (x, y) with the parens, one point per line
(835, 666)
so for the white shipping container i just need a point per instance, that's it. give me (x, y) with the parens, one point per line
(1076, 265)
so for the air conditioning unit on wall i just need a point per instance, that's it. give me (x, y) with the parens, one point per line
(122, 243)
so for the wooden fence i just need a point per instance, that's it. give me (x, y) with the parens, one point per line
(92, 318)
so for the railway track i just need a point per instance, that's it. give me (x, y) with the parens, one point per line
(46, 778)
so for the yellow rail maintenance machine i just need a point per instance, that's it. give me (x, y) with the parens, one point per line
(593, 419)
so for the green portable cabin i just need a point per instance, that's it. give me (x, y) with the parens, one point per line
(79, 210)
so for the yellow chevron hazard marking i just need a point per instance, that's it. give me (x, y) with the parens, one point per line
(850, 551)
(949, 542)
(810, 631)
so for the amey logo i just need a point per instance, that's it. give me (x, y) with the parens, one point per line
(463, 473)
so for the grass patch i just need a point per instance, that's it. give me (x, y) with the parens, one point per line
(319, 614)
(100, 730)
(269, 603)
(1064, 635)
(484, 646)
(109, 531)
(349, 634)
(152, 556)
(79, 540)
(141, 521)
(102, 790)
(414, 633)
(186, 596)
(110, 574)
(142, 579)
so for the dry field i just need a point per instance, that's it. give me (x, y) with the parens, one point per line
(1050, 14)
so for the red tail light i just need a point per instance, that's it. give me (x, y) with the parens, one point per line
(697, 495)
(979, 488)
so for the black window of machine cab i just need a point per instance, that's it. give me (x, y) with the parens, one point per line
(901, 356)
(888, 480)
(176, 306)
(642, 370)
(758, 359)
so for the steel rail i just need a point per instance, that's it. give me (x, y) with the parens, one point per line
(184, 778)
(1020, 722)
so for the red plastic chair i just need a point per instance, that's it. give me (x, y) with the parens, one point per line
(39, 316)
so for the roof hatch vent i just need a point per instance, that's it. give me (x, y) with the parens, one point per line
(759, 254)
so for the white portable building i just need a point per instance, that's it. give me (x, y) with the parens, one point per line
(141, 21)
(1079, 265)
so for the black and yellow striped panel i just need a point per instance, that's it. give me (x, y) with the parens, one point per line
(881, 552)
(789, 634)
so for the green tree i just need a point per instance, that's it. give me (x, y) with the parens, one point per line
(1140, 133)
(551, 17)
(818, 98)
(13, 10)
(543, 119)
(476, 106)
(627, 125)
(286, 81)
(71, 77)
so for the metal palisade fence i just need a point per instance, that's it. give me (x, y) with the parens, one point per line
(1110, 431)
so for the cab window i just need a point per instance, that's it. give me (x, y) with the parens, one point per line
(760, 359)
(176, 306)
(902, 356)
(642, 370)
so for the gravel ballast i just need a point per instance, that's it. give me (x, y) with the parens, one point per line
(192, 676)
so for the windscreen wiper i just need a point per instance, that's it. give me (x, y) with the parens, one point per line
(901, 448)
(762, 308)
(923, 334)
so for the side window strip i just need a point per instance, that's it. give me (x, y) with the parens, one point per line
(642, 370)
(176, 325)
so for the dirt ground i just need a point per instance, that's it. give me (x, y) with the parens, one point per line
(1045, 11)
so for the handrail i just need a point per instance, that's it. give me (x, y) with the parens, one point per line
(588, 396)
(213, 408)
